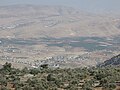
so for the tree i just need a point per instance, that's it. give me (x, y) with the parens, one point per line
(25, 70)
(34, 71)
(44, 66)
(50, 77)
(3, 80)
(27, 88)
(75, 82)
(87, 85)
(112, 86)
(103, 81)
(7, 66)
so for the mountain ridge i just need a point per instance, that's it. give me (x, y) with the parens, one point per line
(114, 61)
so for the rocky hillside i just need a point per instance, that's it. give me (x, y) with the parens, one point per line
(113, 61)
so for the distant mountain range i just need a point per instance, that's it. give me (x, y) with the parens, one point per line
(114, 61)
(29, 21)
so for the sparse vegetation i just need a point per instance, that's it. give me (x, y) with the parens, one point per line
(55, 79)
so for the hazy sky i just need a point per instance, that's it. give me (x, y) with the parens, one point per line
(88, 5)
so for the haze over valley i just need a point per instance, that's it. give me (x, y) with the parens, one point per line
(59, 44)
(31, 35)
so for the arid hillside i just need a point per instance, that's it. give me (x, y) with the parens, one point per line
(27, 21)
(56, 35)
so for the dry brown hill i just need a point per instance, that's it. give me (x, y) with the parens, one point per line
(28, 21)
